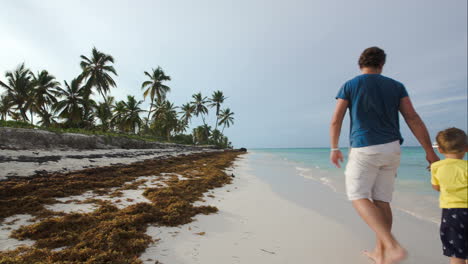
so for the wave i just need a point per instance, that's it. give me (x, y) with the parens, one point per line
(316, 175)
(308, 173)
(418, 216)
(409, 197)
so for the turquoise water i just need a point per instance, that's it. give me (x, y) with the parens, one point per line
(413, 189)
(413, 175)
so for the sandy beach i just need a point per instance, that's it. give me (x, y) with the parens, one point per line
(257, 225)
(303, 221)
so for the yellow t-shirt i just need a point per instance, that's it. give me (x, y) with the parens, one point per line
(452, 177)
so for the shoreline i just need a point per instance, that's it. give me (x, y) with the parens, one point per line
(257, 223)
(421, 205)
(254, 222)
(253, 225)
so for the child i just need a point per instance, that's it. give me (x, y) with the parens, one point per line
(450, 178)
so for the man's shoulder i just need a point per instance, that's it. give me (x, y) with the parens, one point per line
(353, 81)
(364, 77)
(391, 80)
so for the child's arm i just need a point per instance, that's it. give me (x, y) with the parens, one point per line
(434, 179)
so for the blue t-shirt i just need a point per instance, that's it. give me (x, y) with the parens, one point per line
(374, 102)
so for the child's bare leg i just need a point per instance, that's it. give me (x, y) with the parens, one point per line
(392, 250)
(386, 212)
(458, 261)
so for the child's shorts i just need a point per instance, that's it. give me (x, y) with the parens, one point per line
(454, 232)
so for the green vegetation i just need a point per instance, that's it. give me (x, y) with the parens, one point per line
(21, 124)
(71, 107)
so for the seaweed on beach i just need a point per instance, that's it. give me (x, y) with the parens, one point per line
(109, 234)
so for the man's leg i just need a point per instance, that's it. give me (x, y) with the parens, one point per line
(386, 211)
(373, 216)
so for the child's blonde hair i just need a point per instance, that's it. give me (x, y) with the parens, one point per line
(452, 140)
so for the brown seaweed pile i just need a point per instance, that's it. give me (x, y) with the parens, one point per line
(109, 234)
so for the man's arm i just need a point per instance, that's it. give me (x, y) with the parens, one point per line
(335, 129)
(418, 128)
(436, 187)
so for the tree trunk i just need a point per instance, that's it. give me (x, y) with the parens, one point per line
(32, 121)
(24, 115)
(149, 113)
(223, 129)
(217, 116)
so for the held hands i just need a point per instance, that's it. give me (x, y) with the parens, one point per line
(431, 157)
(336, 157)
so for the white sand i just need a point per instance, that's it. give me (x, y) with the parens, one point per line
(256, 225)
(10, 224)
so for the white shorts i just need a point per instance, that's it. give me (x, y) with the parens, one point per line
(371, 175)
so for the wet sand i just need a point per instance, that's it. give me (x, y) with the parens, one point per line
(255, 224)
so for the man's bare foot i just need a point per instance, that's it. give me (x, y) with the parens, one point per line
(372, 255)
(393, 255)
(375, 256)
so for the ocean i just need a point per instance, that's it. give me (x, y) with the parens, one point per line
(413, 191)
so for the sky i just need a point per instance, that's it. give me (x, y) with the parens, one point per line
(280, 63)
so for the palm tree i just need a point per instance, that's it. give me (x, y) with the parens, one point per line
(215, 101)
(5, 107)
(71, 107)
(155, 87)
(97, 70)
(199, 104)
(226, 118)
(18, 89)
(216, 136)
(165, 118)
(47, 119)
(187, 112)
(201, 134)
(131, 118)
(16, 116)
(45, 88)
(181, 127)
(118, 117)
(104, 112)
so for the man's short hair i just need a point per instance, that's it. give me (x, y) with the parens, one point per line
(452, 140)
(373, 57)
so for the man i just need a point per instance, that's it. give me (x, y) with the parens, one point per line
(374, 102)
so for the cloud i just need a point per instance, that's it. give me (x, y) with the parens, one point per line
(438, 101)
